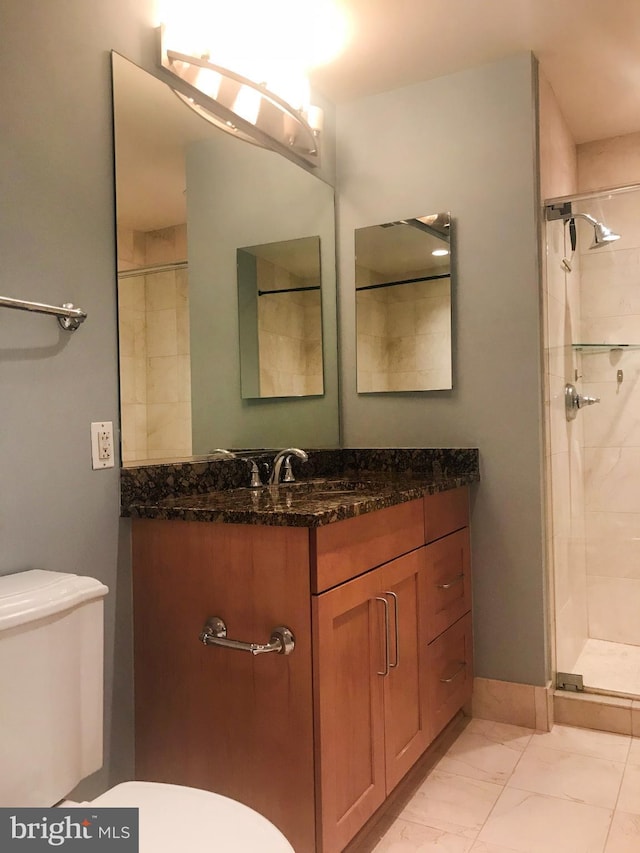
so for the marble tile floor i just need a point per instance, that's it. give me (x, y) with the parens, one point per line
(611, 667)
(500, 788)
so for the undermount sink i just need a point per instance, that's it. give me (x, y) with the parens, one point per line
(326, 487)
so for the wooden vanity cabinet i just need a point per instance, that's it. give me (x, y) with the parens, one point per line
(215, 718)
(391, 650)
(380, 608)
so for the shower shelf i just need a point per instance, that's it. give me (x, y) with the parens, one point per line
(604, 347)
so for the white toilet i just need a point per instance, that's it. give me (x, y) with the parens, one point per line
(51, 627)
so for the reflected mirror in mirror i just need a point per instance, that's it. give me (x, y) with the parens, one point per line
(280, 319)
(188, 196)
(403, 305)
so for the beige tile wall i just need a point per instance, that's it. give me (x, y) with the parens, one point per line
(611, 312)
(564, 440)
(154, 347)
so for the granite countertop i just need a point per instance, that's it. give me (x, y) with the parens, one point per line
(359, 487)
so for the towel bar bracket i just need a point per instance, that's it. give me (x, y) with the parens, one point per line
(69, 317)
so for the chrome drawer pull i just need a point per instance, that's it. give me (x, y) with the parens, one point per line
(397, 629)
(455, 674)
(214, 633)
(451, 583)
(387, 643)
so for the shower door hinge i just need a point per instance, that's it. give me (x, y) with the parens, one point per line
(569, 681)
(558, 211)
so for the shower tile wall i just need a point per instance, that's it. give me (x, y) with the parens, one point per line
(154, 347)
(561, 313)
(566, 440)
(289, 334)
(611, 312)
(400, 330)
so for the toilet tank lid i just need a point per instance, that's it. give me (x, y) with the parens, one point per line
(34, 594)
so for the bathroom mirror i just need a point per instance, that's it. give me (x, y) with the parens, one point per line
(188, 198)
(404, 305)
(280, 319)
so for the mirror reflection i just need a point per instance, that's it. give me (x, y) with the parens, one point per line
(188, 197)
(403, 305)
(280, 319)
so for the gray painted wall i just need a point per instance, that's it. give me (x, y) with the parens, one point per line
(464, 143)
(56, 245)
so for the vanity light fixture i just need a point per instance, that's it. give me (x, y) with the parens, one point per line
(438, 253)
(243, 107)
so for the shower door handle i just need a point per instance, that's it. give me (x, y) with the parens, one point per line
(573, 401)
(586, 401)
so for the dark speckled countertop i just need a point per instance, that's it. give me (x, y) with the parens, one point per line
(339, 484)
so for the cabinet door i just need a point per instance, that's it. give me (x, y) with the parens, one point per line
(349, 665)
(405, 703)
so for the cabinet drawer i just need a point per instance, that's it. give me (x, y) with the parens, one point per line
(449, 673)
(348, 548)
(445, 512)
(448, 587)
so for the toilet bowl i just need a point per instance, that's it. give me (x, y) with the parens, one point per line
(175, 817)
(51, 650)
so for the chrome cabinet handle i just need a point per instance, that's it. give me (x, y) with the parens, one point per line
(397, 630)
(455, 581)
(455, 674)
(214, 633)
(385, 671)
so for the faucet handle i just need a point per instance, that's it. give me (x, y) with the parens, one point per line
(256, 482)
(288, 471)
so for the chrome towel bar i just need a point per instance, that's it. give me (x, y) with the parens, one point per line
(214, 633)
(68, 315)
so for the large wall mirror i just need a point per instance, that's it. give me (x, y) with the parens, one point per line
(404, 305)
(196, 209)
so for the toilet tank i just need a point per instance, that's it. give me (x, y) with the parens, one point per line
(51, 689)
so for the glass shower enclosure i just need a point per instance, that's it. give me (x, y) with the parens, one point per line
(592, 422)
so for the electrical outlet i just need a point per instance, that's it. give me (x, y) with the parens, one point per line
(102, 453)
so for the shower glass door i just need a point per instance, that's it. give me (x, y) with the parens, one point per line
(592, 298)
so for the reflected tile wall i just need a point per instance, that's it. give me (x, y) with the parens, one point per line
(289, 334)
(155, 368)
(403, 334)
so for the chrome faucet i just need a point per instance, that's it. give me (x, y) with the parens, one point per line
(285, 456)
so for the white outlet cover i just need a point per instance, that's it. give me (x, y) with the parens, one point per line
(102, 450)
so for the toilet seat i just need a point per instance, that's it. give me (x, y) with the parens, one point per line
(175, 817)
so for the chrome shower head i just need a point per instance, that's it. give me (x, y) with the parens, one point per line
(562, 210)
(601, 234)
